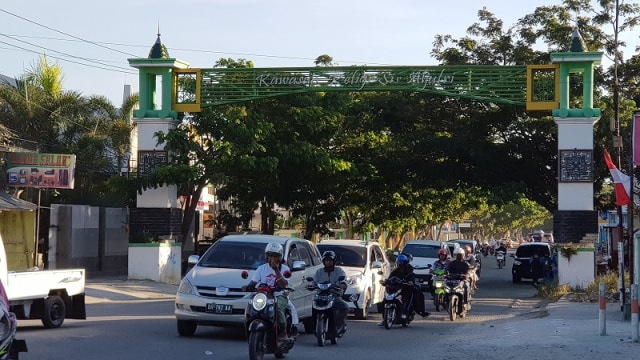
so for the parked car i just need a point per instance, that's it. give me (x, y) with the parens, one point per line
(521, 268)
(211, 292)
(361, 260)
(475, 249)
(424, 253)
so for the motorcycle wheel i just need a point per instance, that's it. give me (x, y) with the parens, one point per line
(499, 264)
(453, 308)
(389, 316)
(436, 302)
(321, 328)
(257, 343)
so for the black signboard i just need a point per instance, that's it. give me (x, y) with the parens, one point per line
(149, 160)
(576, 165)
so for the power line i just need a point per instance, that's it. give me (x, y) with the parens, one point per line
(64, 33)
(67, 60)
(204, 51)
(66, 54)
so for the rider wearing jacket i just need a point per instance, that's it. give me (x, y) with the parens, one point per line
(404, 271)
(460, 267)
(441, 264)
(331, 273)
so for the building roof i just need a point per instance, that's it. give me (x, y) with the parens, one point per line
(11, 203)
(7, 80)
(158, 50)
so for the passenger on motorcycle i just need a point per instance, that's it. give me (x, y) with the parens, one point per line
(473, 262)
(331, 273)
(460, 267)
(404, 271)
(271, 273)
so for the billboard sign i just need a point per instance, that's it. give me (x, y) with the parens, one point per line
(31, 169)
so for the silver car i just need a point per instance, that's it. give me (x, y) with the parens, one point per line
(211, 292)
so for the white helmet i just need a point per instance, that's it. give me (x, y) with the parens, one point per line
(274, 248)
(458, 251)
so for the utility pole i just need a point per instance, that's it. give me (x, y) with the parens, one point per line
(617, 144)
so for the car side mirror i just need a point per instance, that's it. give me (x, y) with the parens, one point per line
(192, 260)
(298, 265)
(376, 265)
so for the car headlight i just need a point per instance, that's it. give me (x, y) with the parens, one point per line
(186, 287)
(259, 301)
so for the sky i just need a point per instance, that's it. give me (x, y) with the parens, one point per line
(92, 40)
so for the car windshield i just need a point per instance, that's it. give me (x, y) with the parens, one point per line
(529, 251)
(234, 255)
(347, 255)
(420, 250)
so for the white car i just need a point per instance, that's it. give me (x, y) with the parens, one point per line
(423, 254)
(361, 261)
(211, 292)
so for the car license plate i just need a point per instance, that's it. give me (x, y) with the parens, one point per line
(219, 308)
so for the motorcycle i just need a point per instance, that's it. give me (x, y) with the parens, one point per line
(323, 310)
(437, 279)
(261, 322)
(10, 347)
(454, 296)
(500, 259)
(396, 310)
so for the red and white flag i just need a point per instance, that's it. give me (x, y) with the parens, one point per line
(620, 180)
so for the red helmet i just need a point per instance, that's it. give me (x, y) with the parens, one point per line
(442, 252)
(467, 248)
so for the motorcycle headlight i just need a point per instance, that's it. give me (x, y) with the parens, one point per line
(186, 287)
(439, 283)
(259, 301)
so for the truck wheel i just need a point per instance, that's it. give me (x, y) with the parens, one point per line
(186, 327)
(54, 312)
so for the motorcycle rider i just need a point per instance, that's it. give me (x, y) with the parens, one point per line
(442, 261)
(331, 273)
(440, 264)
(271, 273)
(473, 262)
(404, 271)
(502, 248)
(460, 267)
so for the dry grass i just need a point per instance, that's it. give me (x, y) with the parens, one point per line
(554, 291)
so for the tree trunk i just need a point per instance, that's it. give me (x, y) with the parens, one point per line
(191, 203)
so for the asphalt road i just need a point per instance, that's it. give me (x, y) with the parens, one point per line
(120, 326)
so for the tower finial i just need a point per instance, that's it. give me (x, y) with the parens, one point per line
(577, 42)
(158, 27)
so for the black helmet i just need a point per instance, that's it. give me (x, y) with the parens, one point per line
(329, 255)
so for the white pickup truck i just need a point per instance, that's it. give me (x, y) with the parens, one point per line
(48, 295)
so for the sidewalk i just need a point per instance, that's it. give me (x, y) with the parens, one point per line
(121, 289)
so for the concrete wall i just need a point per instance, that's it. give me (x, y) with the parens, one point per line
(88, 237)
(580, 270)
(155, 261)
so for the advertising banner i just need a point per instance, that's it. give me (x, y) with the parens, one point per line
(30, 169)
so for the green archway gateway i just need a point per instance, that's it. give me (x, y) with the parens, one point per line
(537, 87)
